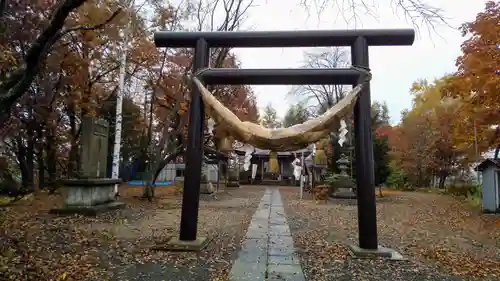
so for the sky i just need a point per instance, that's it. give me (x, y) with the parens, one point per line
(394, 69)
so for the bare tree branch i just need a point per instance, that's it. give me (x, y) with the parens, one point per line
(89, 28)
(322, 97)
(418, 12)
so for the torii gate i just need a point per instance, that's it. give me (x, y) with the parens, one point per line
(359, 41)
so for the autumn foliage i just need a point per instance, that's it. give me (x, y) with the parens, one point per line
(79, 77)
(438, 136)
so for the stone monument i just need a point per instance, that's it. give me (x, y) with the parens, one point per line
(207, 178)
(94, 149)
(91, 192)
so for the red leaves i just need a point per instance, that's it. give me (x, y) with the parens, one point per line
(385, 131)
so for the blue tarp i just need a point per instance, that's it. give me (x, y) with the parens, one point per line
(158, 183)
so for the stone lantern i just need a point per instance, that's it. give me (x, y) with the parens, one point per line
(344, 186)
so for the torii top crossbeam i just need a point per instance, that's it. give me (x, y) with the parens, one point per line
(289, 38)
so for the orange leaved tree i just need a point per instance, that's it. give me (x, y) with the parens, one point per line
(477, 80)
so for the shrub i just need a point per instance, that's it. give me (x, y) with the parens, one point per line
(331, 179)
(475, 196)
(10, 188)
(397, 178)
(466, 190)
(431, 190)
(475, 191)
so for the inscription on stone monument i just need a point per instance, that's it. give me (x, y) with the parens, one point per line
(94, 147)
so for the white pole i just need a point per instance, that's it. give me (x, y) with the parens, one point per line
(476, 156)
(119, 108)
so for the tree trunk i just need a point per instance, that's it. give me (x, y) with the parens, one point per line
(442, 181)
(40, 159)
(23, 167)
(73, 152)
(111, 117)
(30, 163)
(111, 142)
(115, 173)
(165, 161)
(149, 191)
(51, 160)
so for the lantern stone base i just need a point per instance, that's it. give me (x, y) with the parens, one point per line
(233, 182)
(222, 186)
(175, 244)
(89, 197)
(344, 193)
(381, 252)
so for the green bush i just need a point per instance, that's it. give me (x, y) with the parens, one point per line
(397, 178)
(475, 195)
(475, 191)
(331, 179)
(9, 188)
(431, 190)
(466, 190)
(3, 187)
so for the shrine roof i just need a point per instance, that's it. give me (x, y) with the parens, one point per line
(487, 163)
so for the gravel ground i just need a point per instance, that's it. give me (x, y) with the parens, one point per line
(223, 219)
(116, 245)
(442, 239)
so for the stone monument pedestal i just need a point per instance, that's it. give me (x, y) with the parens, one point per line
(89, 196)
(207, 187)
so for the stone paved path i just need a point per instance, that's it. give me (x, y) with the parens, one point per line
(268, 253)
